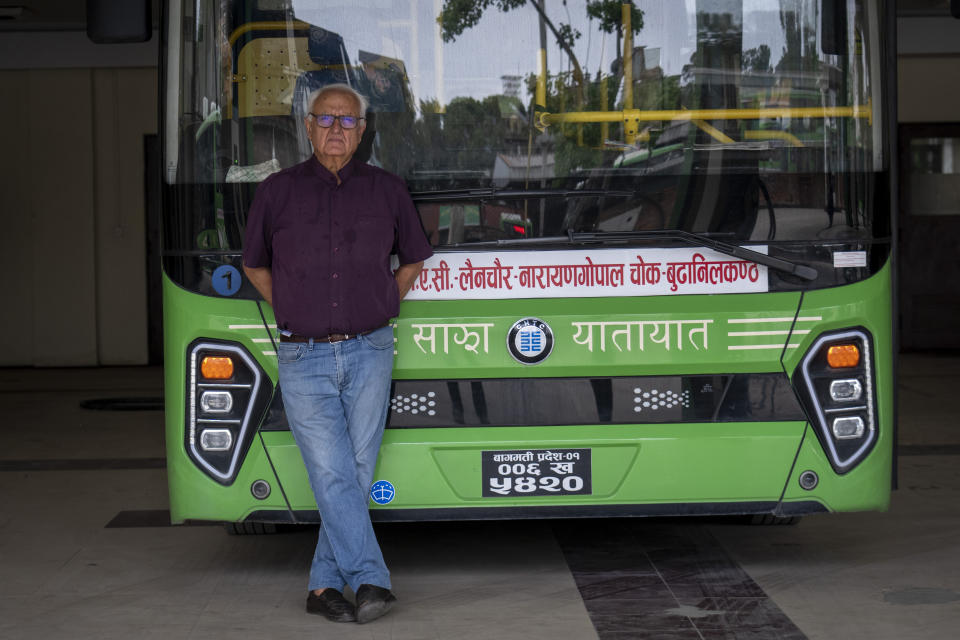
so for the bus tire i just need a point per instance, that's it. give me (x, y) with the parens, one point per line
(249, 528)
(768, 519)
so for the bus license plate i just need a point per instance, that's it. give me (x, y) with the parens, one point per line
(536, 472)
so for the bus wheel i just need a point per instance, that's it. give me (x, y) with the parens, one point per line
(249, 528)
(765, 519)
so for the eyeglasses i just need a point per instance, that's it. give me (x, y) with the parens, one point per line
(326, 120)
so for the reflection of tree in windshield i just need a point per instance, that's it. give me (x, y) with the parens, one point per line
(459, 142)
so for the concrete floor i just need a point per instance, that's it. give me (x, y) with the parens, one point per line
(67, 472)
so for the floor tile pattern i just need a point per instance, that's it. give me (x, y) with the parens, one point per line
(646, 579)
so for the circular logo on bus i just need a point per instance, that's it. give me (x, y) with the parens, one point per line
(530, 340)
(382, 492)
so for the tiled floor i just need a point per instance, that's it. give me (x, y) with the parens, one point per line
(666, 580)
(85, 550)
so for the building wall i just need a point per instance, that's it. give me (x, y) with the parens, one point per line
(73, 207)
(928, 91)
(928, 64)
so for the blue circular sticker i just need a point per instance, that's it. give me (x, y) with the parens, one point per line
(382, 492)
(226, 280)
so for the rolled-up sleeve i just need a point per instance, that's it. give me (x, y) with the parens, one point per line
(257, 242)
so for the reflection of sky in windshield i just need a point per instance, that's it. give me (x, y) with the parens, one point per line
(507, 43)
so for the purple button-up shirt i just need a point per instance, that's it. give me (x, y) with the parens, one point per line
(328, 246)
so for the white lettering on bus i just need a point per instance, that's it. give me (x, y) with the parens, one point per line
(621, 333)
(466, 335)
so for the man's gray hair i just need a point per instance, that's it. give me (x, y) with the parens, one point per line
(337, 88)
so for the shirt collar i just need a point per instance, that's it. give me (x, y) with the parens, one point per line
(321, 171)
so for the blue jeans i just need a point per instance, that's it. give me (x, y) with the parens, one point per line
(336, 397)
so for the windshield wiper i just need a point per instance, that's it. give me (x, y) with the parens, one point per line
(695, 239)
(489, 193)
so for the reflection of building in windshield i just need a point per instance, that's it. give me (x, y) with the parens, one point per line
(517, 169)
(511, 86)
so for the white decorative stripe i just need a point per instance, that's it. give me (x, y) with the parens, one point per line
(250, 326)
(261, 340)
(222, 385)
(752, 320)
(746, 347)
(269, 353)
(767, 333)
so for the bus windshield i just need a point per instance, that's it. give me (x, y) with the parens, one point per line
(753, 121)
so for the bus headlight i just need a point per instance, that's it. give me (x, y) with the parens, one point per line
(849, 390)
(847, 428)
(835, 383)
(216, 401)
(227, 393)
(216, 440)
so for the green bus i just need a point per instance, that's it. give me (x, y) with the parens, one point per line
(663, 253)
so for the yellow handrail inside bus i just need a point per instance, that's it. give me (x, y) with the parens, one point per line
(639, 115)
(630, 127)
(541, 96)
(772, 134)
(712, 131)
(267, 25)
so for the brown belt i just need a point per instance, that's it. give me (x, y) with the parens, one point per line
(332, 338)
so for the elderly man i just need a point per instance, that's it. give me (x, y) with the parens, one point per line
(318, 244)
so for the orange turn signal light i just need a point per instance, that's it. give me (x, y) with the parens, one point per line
(216, 367)
(843, 356)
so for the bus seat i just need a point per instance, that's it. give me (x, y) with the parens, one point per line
(265, 68)
(326, 48)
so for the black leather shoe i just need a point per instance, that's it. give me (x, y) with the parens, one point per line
(332, 605)
(373, 602)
